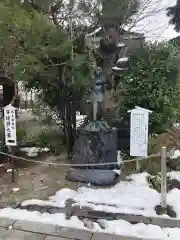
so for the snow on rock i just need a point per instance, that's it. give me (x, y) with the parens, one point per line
(124, 59)
(117, 68)
(62, 195)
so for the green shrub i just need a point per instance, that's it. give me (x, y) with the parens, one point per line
(151, 166)
(51, 138)
(151, 83)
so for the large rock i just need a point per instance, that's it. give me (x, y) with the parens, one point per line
(96, 177)
(95, 143)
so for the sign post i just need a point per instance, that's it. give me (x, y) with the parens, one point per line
(163, 177)
(10, 132)
(139, 133)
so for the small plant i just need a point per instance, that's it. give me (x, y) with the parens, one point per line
(151, 166)
(175, 136)
(51, 138)
(21, 133)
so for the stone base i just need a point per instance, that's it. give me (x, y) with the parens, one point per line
(95, 144)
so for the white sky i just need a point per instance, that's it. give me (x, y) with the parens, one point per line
(157, 27)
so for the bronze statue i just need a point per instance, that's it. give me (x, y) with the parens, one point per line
(98, 91)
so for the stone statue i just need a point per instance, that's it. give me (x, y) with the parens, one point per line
(98, 91)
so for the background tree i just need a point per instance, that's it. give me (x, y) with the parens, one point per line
(152, 83)
(38, 52)
(174, 14)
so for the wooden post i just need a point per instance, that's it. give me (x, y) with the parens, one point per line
(11, 160)
(163, 177)
(137, 166)
(95, 107)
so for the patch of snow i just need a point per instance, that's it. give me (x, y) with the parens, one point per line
(38, 202)
(125, 196)
(119, 227)
(79, 119)
(94, 32)
(124, 59)
(119, 157)
(117, 171)
(176, 154)
(44, 149)
(177, 125)
(133, 197)
(10, 227)
(57, 201)
(174, 175)
(33, 151)
(30, 151)
(15, 189)
(62, 195)
(121, 45)
(118, 69)
(56, 219)
(173, 200)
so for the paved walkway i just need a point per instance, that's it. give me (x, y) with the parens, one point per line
(24, 230)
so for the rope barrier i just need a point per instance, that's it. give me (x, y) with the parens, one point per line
(78, 165)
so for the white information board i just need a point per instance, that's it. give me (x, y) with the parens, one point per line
(10, 125)
(139, 133)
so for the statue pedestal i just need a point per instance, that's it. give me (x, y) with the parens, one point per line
(96, 143)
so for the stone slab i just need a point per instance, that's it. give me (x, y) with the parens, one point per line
(52, 230)
(20, 235)
(165, 222)
(55, 238)
(134, 218)
(104, 236)
(6, 222)
(3, 232)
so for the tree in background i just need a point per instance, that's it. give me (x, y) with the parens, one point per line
(36, 47)
(38, 52)
(174, 14)
(152, 83)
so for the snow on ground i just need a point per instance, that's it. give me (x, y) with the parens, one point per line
(176, 154)
(126, 197)
(34, 151)
(57, 201)
(119, 227)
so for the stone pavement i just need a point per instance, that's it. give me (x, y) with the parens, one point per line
(24, 230)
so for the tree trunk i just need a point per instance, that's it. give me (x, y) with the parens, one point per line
(69, 128)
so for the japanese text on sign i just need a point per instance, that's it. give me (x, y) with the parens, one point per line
(139, 133)
(10, 125)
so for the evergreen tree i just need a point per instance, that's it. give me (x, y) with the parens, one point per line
(151, 83)
(174, 14)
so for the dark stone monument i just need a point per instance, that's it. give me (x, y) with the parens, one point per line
(95, 144)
